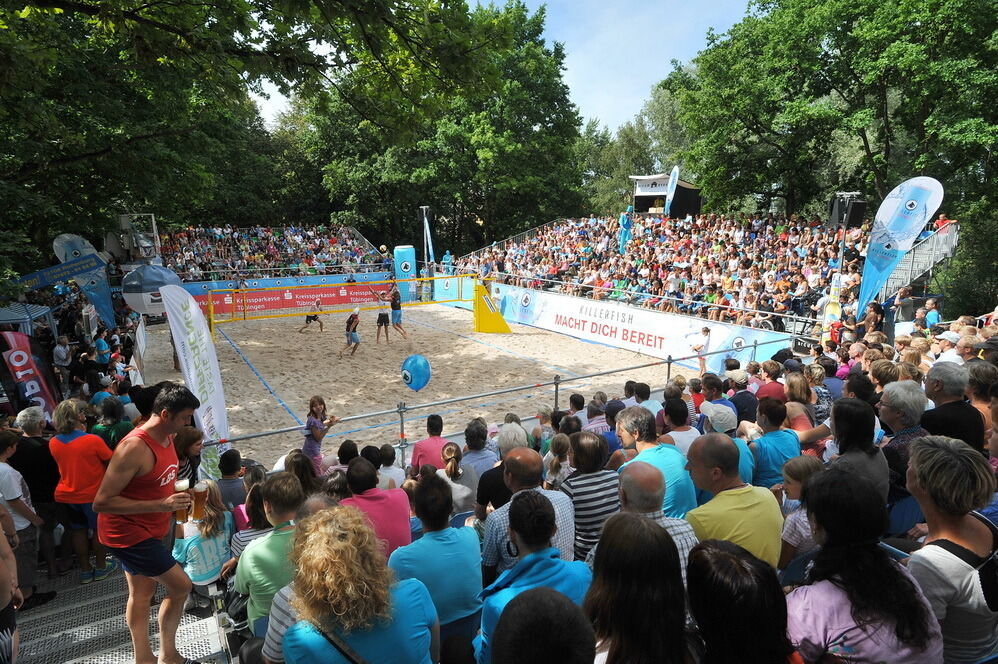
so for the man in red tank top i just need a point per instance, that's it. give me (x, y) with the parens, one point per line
(135, 505)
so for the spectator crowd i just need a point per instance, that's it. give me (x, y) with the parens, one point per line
(200, 253)
(744, 269)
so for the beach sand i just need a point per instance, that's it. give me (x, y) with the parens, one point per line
(297, 366)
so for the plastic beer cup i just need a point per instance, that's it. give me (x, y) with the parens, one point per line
(181, 486)
(200, 498)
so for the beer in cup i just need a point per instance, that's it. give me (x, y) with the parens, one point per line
(180, 486)
(200, 498)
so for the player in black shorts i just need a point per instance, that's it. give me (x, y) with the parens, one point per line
(382, 313)
(312, 317)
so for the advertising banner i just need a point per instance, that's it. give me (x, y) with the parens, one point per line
(645, 331)
(27, 374)
(405, 268)
(291, 299)
(899, 221)
(93, 283)
(199, 366)
(670, 191)
(62, 272)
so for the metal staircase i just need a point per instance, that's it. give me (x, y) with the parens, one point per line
(922, 259)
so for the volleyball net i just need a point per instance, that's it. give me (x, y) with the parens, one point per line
(231, 305)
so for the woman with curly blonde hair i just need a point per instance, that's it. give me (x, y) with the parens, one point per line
(344, 592)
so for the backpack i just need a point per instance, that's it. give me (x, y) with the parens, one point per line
(987, 568)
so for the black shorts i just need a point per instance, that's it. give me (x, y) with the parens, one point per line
(8, 623)
(311, 319)
(382, 320)
(147, 558)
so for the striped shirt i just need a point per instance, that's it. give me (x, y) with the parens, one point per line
(282, 617)
(595, 499)
(494, 550)
(244, 537)
(679, 529)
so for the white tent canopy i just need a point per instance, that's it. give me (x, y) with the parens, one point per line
(24, 316)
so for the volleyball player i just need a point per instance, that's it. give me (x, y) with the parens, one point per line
(353, 337)
(396, 304)
(312, 317)
(383, 300)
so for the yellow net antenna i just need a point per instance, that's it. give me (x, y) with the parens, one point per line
(488, 317)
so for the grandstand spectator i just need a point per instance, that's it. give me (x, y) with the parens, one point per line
(188, 443)
(636, 429)
(301, 467)
(856, 599)
(342, 586)
(41, 474)
(629, 398)
(387, 509)
(967, 351)
(738, 605)
(595, 419)
(642, 392)
(492, 488)
(345, 453)
(592, 489)
(577, 407)
(256, 526)
(462, 481)
(946, 385)
(982, 376)
(230, 467)
(522, 473)
(853, 426)
(947, 342)
(112, 425)
(771, 387)
(613, 408)
(713, 392)
(556, 465)
(797, 537)
(627, 631)
(642, 489)
(373, 454)
(541, 625)
(950, 480)
(476, 456)
(202, 547)
(82, 459)
(775, 445)
(544, 430)
(263, 566)
(17, 500)
(900, 407)
(741, 513)
(932, 315)
(388, 467)
(746, 403)
(429, 450)
(531, 524)
(822, 396)
(135, 503)
(675, 416)
(447, 560)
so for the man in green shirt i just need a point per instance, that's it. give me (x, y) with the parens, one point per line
(263, 567)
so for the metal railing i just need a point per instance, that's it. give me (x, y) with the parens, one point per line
(402, 407)
(922, 258)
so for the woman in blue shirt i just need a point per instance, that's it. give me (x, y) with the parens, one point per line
(343, 586)
(447, 560)
(531, 527)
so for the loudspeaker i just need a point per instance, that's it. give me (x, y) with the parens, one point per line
(855, 211)
(836, 211)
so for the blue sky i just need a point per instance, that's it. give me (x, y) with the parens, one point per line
(617, 50)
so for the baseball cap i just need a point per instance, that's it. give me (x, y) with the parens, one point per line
(613, 407)
(793, 364)
(737, 376)
(949, 336)
(721, 418)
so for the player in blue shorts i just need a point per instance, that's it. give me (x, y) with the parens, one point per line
(396, 303)
(353, 337)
